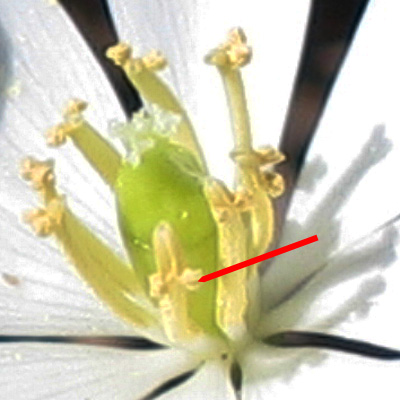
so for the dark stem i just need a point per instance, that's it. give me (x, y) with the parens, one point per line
(317, 340)
(93, 20)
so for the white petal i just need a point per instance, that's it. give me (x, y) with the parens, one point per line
(291, 269)
(50, 64)
(81, 372)
(340, 376)
(187, 31)
(268, 371)
(210, 382)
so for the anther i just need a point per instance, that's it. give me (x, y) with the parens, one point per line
(73, 119)
(74, 109)
(45, 221)
(40, 173)
(121, 55)
(274, 184)
(269, 156)
(161, 286)
(233, 54)
(154, 61)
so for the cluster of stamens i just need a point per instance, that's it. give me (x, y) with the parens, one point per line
(171, 285)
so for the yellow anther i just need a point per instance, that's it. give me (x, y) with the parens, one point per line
(45, 221)
(120, 53)
(74, 109)
(274, 184)
(190, 278)
(270, 156)
(233, 54)
(154, 61)
(40, 173)
(161, 285)
(57, 135)
(171, 284)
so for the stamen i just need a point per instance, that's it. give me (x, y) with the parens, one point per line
(257, 186)
(229, 57)
(172, 283)
(232, 299)
(112, 280)
(142, 73)
(101, 155)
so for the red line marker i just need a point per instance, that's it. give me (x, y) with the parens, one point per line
(262, 257)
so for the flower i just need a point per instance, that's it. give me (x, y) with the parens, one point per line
(42, 297)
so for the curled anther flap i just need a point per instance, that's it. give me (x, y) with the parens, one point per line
(234, 53)
(39, 173)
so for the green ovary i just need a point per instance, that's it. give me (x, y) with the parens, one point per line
(166, 186)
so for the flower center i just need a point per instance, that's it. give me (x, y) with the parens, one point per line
(177, 222)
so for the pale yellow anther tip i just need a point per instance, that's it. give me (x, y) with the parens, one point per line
(190, 278)
(45, 221)
(154, 61)
(274, 184)
(233, 53)
(74, 108)
(57, 135)
(40, 173)
(270, 156)
(119, 54)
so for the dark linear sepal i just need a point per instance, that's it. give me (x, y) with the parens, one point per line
(331, 342)
(119, 342)
(95, 23)
(331, 28)
(236, 376)
(169, 385)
